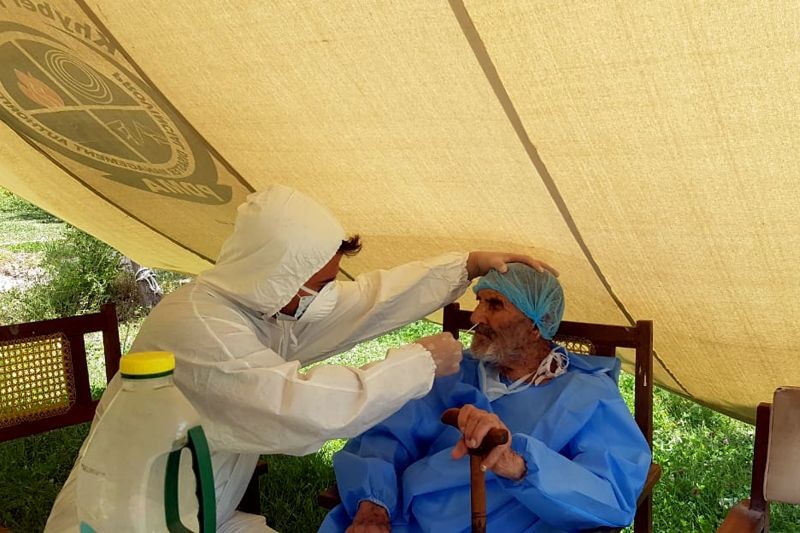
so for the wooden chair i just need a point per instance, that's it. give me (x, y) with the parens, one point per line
(590, 339)
(44, 381)
(776, 463)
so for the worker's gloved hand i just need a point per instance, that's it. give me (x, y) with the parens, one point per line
(446, 352)
(370, 518)
(475, 423)
(479, 263)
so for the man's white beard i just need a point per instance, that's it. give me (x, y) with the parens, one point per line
(496, 352)
(488, 353)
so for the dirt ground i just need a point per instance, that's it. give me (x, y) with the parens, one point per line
(19, 270)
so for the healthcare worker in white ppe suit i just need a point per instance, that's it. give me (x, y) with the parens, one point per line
(241, 331)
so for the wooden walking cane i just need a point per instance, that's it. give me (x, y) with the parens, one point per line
(477, 482)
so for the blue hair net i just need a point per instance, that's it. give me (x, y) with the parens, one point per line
(537, 294)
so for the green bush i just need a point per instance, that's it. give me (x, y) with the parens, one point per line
(78, 274)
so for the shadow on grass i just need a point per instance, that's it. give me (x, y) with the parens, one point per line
(32, 471)
(31, 215)
(12, 207)
(289, 492)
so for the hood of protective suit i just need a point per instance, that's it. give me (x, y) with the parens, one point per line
(281, 238)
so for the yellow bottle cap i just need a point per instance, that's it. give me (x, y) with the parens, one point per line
(140, 365)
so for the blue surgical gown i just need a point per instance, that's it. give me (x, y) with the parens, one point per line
(587, 461)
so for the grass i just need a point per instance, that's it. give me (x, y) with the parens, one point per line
(25, 224)
(32, 471)
(27, 247)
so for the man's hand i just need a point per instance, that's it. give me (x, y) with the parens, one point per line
(446, 352)
(370, 518)
(475, 423)
(480, 263)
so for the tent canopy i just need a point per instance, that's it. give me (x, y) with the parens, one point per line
(648, 150)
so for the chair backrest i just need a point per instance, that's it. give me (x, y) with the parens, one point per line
(44, 380)
(782, 469)
(596, 339)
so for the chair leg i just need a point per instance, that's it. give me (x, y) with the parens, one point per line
(251, 501)
(643, 523)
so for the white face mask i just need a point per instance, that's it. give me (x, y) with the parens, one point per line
(315, 305)
(545, 371)
(493, 387)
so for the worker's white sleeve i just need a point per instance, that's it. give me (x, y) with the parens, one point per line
(261, 404)
(383, 300)
(254, 401)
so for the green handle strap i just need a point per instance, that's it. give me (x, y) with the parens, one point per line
(204, 475)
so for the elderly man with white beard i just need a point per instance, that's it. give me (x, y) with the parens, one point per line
(576, 459)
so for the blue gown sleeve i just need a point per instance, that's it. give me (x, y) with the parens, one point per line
(596, 478)
(371, 465)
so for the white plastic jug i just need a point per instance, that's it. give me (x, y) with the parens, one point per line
(131, 477)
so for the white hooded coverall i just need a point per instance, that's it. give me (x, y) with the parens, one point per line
(238, 365)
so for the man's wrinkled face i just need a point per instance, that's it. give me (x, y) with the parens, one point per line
(503, 331)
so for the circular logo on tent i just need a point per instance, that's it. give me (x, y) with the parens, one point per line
(93, 111)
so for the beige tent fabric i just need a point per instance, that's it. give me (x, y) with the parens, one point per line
(55, 190)
(645, 149)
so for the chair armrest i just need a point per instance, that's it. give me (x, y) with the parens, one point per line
(653, 475)
(329, 498)
(742, 519)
